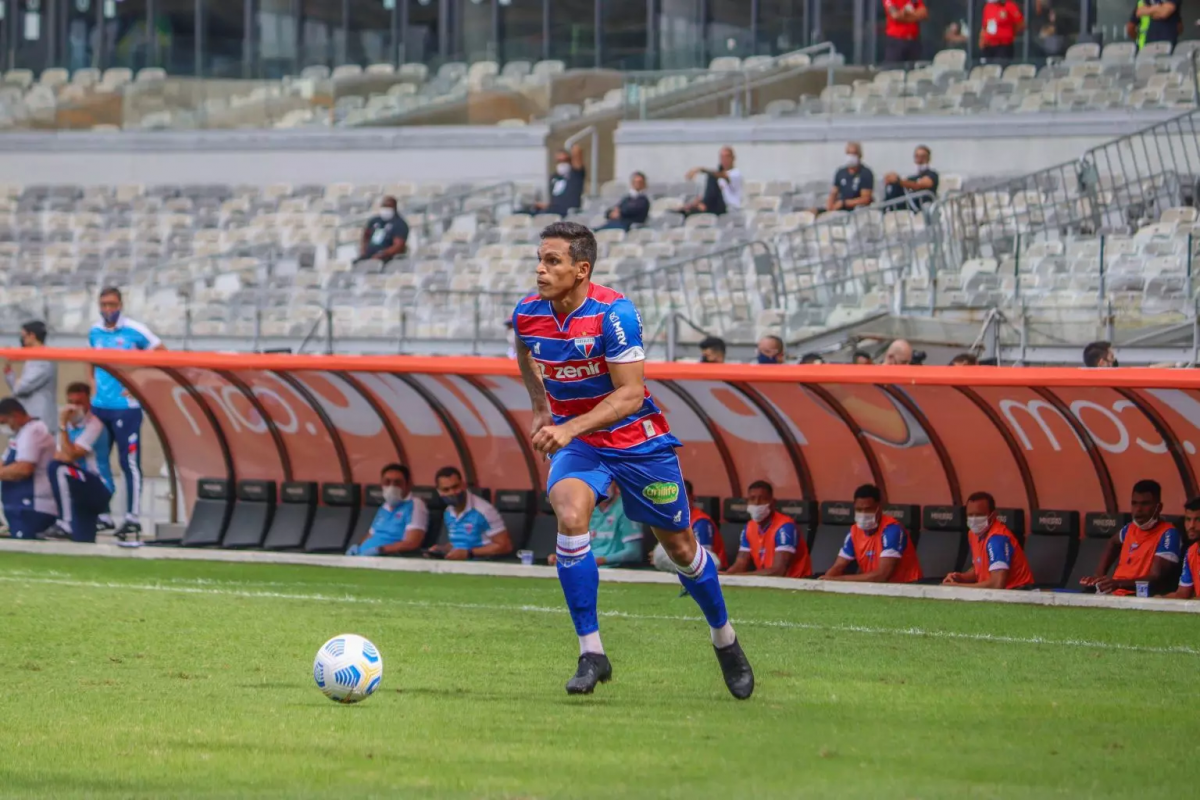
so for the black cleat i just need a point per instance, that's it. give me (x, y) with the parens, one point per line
(739, 677)
(105, 525)
(593, 668)
(130, 531)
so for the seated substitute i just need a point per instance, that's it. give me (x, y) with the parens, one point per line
(1191, 562)
(565, 185)
(80, 476)
(925, 180)
(853, 183)
(400, 523)
(877, 543)
(1146, 549)
(473, 525)
(997, 560)
(722, 187)
(770, 542)
(707, 536)
(25, 490)
(385, 236)
(633, 209)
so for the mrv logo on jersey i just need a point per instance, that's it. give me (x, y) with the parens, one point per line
(617, 329)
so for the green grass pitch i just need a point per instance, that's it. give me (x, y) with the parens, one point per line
(156, 679)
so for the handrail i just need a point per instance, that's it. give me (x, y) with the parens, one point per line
(594, 159)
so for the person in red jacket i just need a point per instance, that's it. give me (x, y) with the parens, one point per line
(1147, 549)
(1002, 23)
(902, 33)
(1191, 561)
(997, 560)
(877, 543)
(770, 542)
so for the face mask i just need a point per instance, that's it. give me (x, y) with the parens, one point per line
(851, 161)
(563, 169)
(455, 499)
(977, 525)
(766, 359)
(392, 495)
(110, 317)
(758, 513)
(1148, 524)
(865, 521)
(387, 213)
(5, 429)
(634, 193)
(922, 168)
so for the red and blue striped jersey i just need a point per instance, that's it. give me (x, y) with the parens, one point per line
(573, 354)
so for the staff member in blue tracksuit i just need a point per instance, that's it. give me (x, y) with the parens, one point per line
(120, 412)
(474, 527)
(81, 479)
(400, 523)
(24, 475)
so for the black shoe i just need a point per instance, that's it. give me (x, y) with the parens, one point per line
(739, 677)
(105, 525)
(130, 531)
(56, 531)
(593, 668)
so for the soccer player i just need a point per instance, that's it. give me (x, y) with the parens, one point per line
(997, 561)
(82, 482)
(24, 472)
(1191, 562)
(120, 412)
(579, 346)
(400, 523)
(769, 542)
(474, 528)
(1146, 549)
(877, 543)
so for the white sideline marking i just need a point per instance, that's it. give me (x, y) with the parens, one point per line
(494, 569)
(212, 589)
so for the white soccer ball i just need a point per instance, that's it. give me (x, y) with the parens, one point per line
(348, 668)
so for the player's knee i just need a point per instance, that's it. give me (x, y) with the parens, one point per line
(680, 546)
(573, 518)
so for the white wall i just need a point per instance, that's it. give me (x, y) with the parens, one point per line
(801, 149)
(422, 155)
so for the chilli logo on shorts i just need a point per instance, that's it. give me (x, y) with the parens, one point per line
(661, 493)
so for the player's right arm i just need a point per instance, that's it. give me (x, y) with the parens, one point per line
(531, 375)
(742, 562)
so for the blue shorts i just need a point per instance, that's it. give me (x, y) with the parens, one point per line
(651, 483)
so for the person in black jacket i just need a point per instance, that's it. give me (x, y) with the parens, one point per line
(633, 209)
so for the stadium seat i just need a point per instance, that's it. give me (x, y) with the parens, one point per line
(436, 508)
(516, 507)
(252, 514)
(943, 542)
(543, 536)
(372, 500)
(835, 522)
(1014, 520)
(804, 512)
(734, 518)
(909, 517)
(294, 516)
(210, 514)
(1098, 528)
(1052, 547)
(334, 519)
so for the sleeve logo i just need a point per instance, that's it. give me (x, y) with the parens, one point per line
(617, 329)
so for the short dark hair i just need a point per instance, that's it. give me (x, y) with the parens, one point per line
(812, 358)
(925, 147)
(768, 488)
(1149, 487)
(991, 501)
(36, 328)
(774, 338)
(403, 470)
(11, 405)
(107, 290)
(581, 240)
(964, 359)
(868, 491)
(1192, 505)
(79, 387)
(713, 343)
(1095, 352)
(861, 354)
(447, 472)
(638, 173)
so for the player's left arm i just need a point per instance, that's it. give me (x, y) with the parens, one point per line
(895, 540)
(785, 551)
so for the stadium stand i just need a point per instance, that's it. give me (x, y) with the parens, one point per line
(252, 514)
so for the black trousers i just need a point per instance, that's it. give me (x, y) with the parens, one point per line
(900, 51)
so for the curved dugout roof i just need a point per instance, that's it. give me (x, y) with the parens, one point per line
(1069, 439)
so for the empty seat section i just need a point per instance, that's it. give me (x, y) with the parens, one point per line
(294, 516)
(943, 542)
(543, 536)
(734, 519)
(1053, 546)
(252, 515)
(334, 518)
(835, 522)
(211, 512)
(436, 508)
(516, 507)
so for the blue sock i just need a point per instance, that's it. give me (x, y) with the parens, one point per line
(700, 580)
(580, 580)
